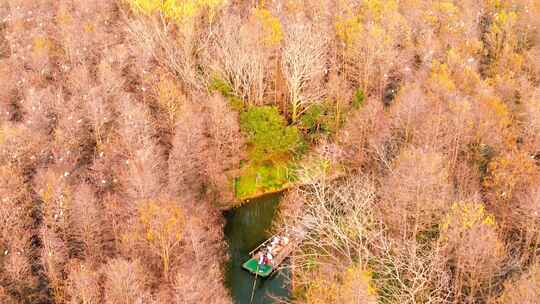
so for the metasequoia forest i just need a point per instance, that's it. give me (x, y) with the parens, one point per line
(404, 136)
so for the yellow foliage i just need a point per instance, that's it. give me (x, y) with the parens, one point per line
(508, 173)
(472, 79)
(441, 77)
(46, 194)
(161, 222)
(41, 44)
(321, 290)
(466, 215)
(380, 19)
(503, 39)
(355, 274)
(146, 6)
(377, 10)
(89, 28)
(503, 20)
(501, 111)
(441, 12)
(380, 35)
(496, 4)
(63, 16)
(6, 133)
(179, 11)
(447, 7)
(273, 32)
(446, 18)
(55, 196)
(354, 285)
(348, 29)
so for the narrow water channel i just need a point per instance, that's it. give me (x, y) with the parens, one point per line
(248, 226)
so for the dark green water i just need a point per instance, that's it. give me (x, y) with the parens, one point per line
(248, 226)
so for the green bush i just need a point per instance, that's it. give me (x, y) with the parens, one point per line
(358, 99)
(236, 103)
(321, 119)
(268, 134)
(219, 85)
(312, 119)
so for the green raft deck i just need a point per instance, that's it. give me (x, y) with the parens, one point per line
(252, 265)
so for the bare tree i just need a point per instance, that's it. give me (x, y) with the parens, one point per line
(187, 168)
(367, 137)
(86, 222)
(56, 194)
(71, 133)
(99, 114)
(175, 46)
(326, 235)
(413, 272)
(243, 57)
(472, 247)
(6, 298)
(15, 222)
(532, 116)
(8, 91)
(125, 282)
(83, 285)
(54, 257)
(202, 246)
(523, 289)
(340, 228)
(158, 230)
(304, 63)
(142, 171)
(226, 146)
(416, 193)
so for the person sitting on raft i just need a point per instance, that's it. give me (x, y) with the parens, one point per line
(269, 258)
(273, 244)
(261, 259)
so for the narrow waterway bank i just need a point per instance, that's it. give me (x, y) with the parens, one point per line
(246, 227)
(238, 202)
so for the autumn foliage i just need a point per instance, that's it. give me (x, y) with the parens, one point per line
(127, 126)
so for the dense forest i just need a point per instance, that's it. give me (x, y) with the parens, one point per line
(405, 135)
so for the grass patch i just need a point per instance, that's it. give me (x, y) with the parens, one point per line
(261, 178)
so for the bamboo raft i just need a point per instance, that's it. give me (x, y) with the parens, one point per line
(252, 265)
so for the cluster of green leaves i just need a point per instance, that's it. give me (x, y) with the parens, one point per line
(269, 136)
(320, 120)
(358, 98)
(221, 86)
